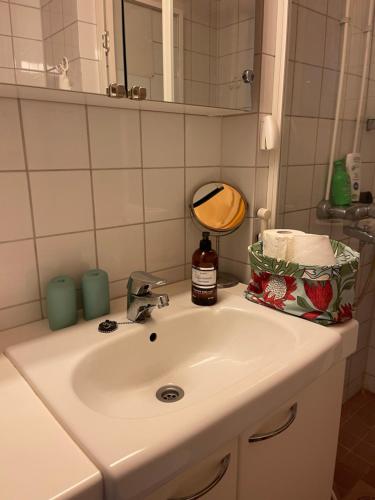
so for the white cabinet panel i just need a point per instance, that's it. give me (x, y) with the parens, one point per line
(297, 464)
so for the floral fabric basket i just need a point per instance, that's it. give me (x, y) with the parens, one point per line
(324, 295)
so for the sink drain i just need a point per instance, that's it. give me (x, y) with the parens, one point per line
(169, 393)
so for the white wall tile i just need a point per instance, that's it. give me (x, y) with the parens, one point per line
(76, 254)
(310, 37)
(332, 44)
(87, 40)
(61, 202)
(163, 193)
(26, 22)
(302, 140)
(70, 10)
(165, 243)
(7, 75)
(118, 197)
(235, 246)
(32, 78)
(318, 5)
(162, 139)
(319, 184)
(200, 38)
(15, 220)
(298, 196)
(114, 137)
(261, 185)
(240, 270)
(239, 136)
(297, 220)
(323, 144)
(6, 52)
(200, 67)
(306, 93)
(18, 278)
(60, 139)
(28, 54)
(11, 149)
(19, 315)
(5, 28)
(121, 251)
(203, 136)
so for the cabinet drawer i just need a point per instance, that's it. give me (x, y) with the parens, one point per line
(202, 476)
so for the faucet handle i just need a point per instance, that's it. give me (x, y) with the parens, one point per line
(139, 282)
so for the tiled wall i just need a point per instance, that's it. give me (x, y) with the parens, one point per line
(218, 44)
(108, 187)
(69, 30)
(21, 43)
(235, 52)
(314, 57)
(92, 186)
(36, 34)
(244, 164)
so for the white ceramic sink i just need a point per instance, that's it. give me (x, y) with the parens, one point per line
(236, 362)
(204, 351)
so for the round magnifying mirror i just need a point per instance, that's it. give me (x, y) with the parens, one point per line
(221, 209)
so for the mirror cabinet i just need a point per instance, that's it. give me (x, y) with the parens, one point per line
(197, 52)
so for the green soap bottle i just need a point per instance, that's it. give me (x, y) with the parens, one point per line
(341, 187)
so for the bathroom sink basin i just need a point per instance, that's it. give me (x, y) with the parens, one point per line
(204, 351)
(236, 362)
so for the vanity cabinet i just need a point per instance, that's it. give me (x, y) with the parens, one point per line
(289, 456)
(298, 463)
(216, 474)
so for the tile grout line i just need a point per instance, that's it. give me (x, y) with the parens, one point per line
(142, 189)
(36, 256)
(93, 209)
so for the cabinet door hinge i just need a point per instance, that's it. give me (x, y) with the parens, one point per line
(105, 42)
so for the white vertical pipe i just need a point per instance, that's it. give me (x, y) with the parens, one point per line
(278, 91)
(365, 70)
(344, 21)
(168, 59)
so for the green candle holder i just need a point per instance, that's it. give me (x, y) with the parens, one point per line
(61, 302)
(95, 292)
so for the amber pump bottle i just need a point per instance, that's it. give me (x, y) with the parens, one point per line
(204, 273)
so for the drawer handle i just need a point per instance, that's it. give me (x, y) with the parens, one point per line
(224, 464)
(267, 435)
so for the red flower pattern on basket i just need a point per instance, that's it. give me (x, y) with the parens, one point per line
(276, 289)
(345, 312)
(320, 293)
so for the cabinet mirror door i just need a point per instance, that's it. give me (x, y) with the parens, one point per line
(191, 51)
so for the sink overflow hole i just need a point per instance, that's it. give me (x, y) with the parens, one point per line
(153, 337)
(169, 393)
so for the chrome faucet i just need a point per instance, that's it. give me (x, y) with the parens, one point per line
(140, 299)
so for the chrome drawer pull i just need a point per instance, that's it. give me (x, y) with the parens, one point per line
(224, 464)
(267, 435)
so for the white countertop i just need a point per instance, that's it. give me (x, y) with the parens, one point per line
(38, 458)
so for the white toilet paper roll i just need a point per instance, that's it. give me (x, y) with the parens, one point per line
(278, 243)
(313, 250)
